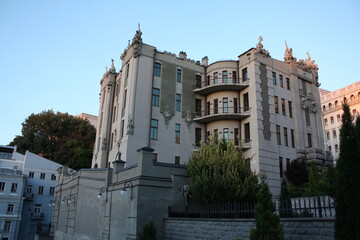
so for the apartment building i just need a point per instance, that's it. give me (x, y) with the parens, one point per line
(171, 103)
(331, 103)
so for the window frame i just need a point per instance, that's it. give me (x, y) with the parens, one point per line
(178, 75)
(157, 69)
(177, 132)
(178, 102)
(154, 129)
(155, 97)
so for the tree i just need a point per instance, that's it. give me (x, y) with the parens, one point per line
(219, 173)
(296, 173)
(59, 137)
(312, 187)
(348, 180)
(267, 223)
(285, 201)
(149, 231)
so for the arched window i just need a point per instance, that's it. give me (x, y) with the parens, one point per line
(329, 105)
(95, 166)
(345, 100)
(352, 97)
(336, 103)
(324, 108)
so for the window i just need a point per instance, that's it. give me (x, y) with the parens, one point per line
(41, 190)
(281, 81)
(226, 134)
(122, 129)
(124, 103)
(198, 107)
(334, 134)
(155, 97)
(154, 129)
(246, 101)
(155, 157)
(287, 163)
(244, 74)
(236, 105)
(198, 80)
(309, 137)
(42, 175)
(338, 117)
(336, 148)
(29, 189)
(208, 108)
(225, 105)
(336, 103)
(328, 135)
(37, 208)
(236, 136)
(51, 190)
(274, 78)
(307, 116)
(53, 177)
(31, 174)
(10, 208)
(197, 137)
(157, 69)
(286, 141)
(207, 82)
(177, 160)
(288, 83)
(276, 104)
(292, 138)
(177, 133)
(281, 166)
(127, 71)
(247, 132)
(329, 148)
(215, 77)
(178, 75)
(325, 121)
(283, 106)
(290, 109)
(332, 120)
(14, 187)
(7, 225)
(278, 137)
(2, 186)
(178, 102)
(225, 76)
(216, 106)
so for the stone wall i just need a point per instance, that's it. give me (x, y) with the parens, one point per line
(230, 229)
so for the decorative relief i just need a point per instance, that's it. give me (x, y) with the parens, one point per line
(189, 119)
(288, 56)
(167, 116)
(309, 65)
(260, 48)
(308, 102)
(130, 126)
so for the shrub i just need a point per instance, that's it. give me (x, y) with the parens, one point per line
(149, 231)
(296, 173)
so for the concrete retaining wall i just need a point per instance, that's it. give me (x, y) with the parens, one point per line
(230, 229)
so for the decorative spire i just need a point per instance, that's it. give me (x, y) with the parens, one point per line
(137, 37)
(112, 69)
(260, 49)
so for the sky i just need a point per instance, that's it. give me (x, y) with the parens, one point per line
(53, 54)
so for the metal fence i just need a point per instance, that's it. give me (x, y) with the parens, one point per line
(313, 207)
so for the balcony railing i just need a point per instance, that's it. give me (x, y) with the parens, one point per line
(222, 113)
(28, 196)
(37, 216)
(244, 143)
(43, 229)
(221, 84)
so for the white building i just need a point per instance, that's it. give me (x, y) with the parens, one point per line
(172, 103)
(332, 113)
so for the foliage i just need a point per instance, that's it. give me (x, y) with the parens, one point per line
(149, 231)
(296, 173)
(327, 184)
(285, 201)
(60, 137)
(312, 187)
(348, 180)
(267, 223)
(219, 173)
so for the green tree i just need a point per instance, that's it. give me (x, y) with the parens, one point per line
(219, 173)
(327, 183)
(297, 174)
(285, 201)
(312, 187)
(348, 180)
(149, 231)
(267, 222)
(60, 137)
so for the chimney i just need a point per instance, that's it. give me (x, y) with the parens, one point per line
(205, 61)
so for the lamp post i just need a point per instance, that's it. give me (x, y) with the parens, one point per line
(124, 192)
(68, 200)
(103, 191)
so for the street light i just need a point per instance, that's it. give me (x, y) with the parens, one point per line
(103, 191)
(68, 200)
(124, 192)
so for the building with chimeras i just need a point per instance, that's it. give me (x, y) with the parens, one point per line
(171, 103)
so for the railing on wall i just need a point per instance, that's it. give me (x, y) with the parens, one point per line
(310, 207)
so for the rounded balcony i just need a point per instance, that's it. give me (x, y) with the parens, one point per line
(221, 84)
(222, 113)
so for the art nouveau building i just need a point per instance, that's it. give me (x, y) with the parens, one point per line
(332, 113)
(270, 108)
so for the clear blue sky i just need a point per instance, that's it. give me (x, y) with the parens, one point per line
(53, 53)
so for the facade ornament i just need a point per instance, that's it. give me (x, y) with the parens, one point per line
(130, 126)
(137, 37)
(288, 56)
(104, 144)
(167, 116)
(260, 48)
(189, 119)
(185, 191)
(112, 69)
(308, 102)
(309, 65)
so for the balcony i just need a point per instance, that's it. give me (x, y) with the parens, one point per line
(43, 229)
(244, 143)
(28, 196)
(222, 113)
(221, 84)
(37, 216)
